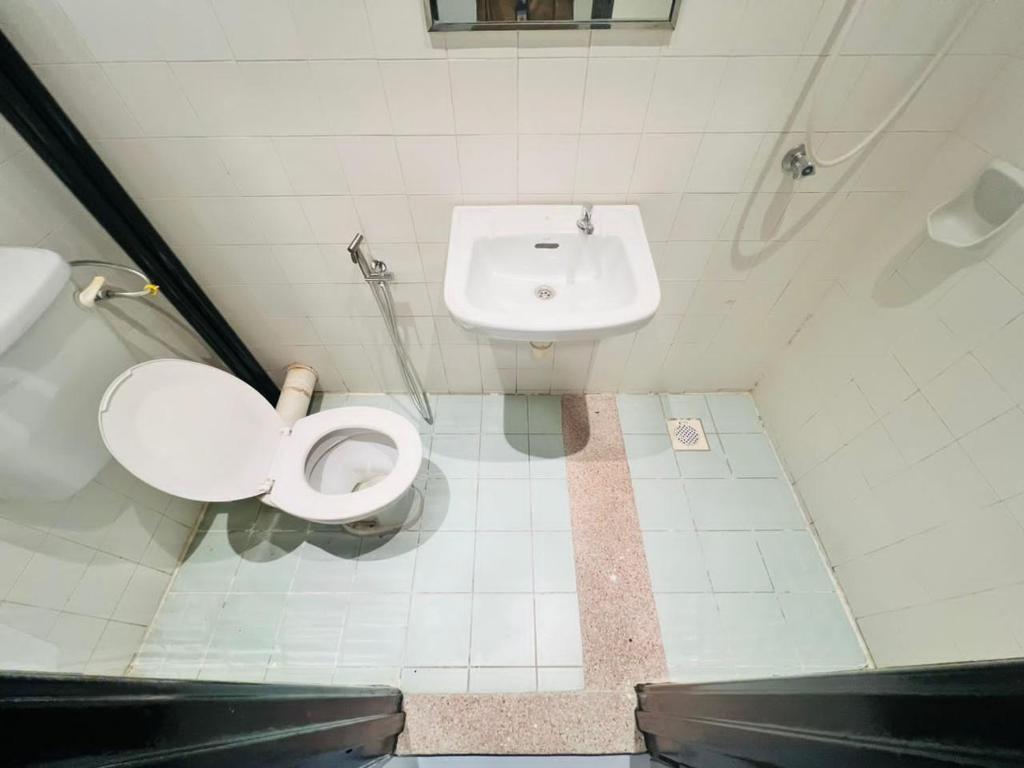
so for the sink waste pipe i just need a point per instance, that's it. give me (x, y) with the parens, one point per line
(378, 277)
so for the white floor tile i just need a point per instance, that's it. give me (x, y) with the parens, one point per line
(688, 407)
(650, 456)
(544, 414)
(734, 562)
(822, 631)
(549, 505)
(504, 456)
(743, 504)
(449, 505)
(558, 630)
(503, 505)
(547, 456)
(444, 562)
(756, 631)
(455, 456)
(457, 414)
(437, 680)
(751, 456)
(793, 562)
(386, 564)
(505, 415)
(502, 679)
(676, 562)
(711, 463)
(734, 413)
(641, 414)
(503, 632)
(691, 629)
(503, 562)
(661, 505)
(438, 631)
(327, 563)
(554, 563)
(366, 676)
(559, 678)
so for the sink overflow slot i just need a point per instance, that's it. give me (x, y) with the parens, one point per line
(546, 246)
(544, 292)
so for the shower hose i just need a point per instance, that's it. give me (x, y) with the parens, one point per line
(851, 18)
(417, 392)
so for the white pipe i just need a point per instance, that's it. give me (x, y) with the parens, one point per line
(826, 70)
(296, 392)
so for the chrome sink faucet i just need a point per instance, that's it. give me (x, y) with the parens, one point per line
(584, 223)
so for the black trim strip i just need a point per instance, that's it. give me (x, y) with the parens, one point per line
(962, 714)
(34, 113)
(104, 721)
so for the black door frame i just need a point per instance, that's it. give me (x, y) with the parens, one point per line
(36, 115)
(962, 714)
(100, 721)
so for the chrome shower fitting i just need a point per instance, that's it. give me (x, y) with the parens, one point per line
(797, 163)
(377, 276)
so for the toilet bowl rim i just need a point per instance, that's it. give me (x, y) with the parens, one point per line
(291, 490)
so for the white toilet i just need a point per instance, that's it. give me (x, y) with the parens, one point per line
(197, 432)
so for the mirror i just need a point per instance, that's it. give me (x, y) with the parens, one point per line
(451, 15)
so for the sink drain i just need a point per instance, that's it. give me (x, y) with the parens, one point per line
(544, 292)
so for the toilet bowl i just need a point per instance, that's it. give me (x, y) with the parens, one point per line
(197, 432)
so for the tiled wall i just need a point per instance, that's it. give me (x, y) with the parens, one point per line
(80, 579)
(898, 412)
(261, 134)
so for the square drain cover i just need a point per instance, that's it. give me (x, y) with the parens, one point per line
(687, 435)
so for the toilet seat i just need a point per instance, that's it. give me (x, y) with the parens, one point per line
(200, 433)
(292, 491)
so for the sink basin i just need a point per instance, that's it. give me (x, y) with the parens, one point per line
(527, 273)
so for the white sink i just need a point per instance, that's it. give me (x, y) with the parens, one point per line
(527, 273)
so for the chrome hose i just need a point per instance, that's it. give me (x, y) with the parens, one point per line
(377, 277)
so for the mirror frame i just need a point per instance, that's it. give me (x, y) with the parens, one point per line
(480, 26)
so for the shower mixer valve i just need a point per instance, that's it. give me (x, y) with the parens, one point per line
(797, 163)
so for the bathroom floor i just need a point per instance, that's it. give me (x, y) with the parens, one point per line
(740, 586)
(481, 596)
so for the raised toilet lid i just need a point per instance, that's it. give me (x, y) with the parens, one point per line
(190, 430)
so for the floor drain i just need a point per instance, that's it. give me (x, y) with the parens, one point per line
(544, 292)
(687, 435)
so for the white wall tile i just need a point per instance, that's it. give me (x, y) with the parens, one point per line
(484, 95)
(684, 93)
(663, 163)
(547, 163)
(352, 96)
(617, 93)
(430, 165)
(551, 95)
(487, 164)
(312, 165)
(399, 31)
(89, 97)
(965, 396)
(123, 30)
(154, 98)
(605, 164)
(419, 96)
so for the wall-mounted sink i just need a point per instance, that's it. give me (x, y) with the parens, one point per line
(528, 273)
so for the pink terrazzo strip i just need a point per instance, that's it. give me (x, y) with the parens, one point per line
(618, 622)
(618, 618)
